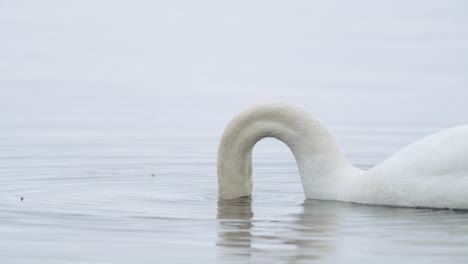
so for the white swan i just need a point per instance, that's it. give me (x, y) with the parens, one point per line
(432, 172)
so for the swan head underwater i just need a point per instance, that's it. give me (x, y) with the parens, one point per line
(430, 173)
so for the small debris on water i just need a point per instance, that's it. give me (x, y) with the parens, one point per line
(22, 198)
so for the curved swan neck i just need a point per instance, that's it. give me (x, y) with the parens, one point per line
(319, 158)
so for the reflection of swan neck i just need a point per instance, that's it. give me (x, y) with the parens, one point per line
(316, 152)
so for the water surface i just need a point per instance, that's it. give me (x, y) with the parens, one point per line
(90, 197)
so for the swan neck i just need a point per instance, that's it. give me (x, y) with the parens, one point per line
(317, 154)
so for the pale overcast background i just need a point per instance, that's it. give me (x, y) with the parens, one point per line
(134, 63)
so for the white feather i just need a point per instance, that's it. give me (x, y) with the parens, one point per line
(432, 172)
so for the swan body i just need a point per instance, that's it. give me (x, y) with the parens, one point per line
(432, 172)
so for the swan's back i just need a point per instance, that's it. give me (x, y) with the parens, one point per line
(432, 172)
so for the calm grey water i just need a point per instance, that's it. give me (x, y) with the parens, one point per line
(89, 194)
(97, 96)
